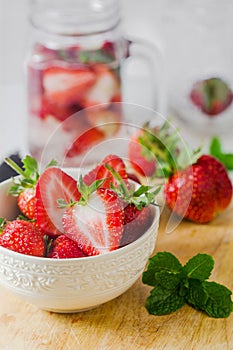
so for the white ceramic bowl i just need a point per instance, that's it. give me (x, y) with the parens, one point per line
(72, 285)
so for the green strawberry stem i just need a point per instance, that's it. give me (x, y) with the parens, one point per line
(15, 167)
(85, 191)
(142, 197)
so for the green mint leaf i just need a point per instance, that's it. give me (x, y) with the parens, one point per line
(219, 303)
(167, 279)
(160, 262)
(215, 150)
(196, 294)
(163, 301)
(199, 267)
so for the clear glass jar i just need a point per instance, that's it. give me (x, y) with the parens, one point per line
(74, 76)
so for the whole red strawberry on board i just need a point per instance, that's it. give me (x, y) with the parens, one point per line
(200, 191)
(197, 187)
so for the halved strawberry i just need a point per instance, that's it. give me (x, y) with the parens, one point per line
(96, 223)
(65, 87)
(54, 184)
(101, 172)
(23, 237)
(137, 200)
(65, 248)
(85, 141)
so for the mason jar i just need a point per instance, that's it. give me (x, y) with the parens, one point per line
(74, 76)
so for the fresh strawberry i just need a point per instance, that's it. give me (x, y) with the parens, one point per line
(143, 162)
(23, 237)
(65, 248)
(104, 89)
(137, 206)
(26, 202)
(59, 111)
(200, 191)
(23, 187)
(212, 96)
(136, 222)
(64, 88)
(223, 183)
(54, 184)
(101, 172)
(84, 142)
(96, 221)
(151, 150)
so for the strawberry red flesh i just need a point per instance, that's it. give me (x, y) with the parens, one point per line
(64, 88)
(101, 172)
(85, 141)
(96, 227)
(54, 184)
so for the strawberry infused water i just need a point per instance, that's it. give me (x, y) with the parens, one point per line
(73, 78)
(64, 85)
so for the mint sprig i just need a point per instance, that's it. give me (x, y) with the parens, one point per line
(174, 285)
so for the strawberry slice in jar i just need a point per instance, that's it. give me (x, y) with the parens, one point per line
(64, 88)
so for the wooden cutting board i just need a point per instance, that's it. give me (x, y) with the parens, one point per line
(124, 322)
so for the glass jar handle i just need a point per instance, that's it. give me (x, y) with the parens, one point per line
(151, 53)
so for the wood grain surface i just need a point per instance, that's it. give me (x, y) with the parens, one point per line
(124, 323)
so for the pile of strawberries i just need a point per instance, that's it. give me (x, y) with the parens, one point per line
(61, 217)
(104, 209)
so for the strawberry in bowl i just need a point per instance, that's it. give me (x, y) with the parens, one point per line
(79, 260)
